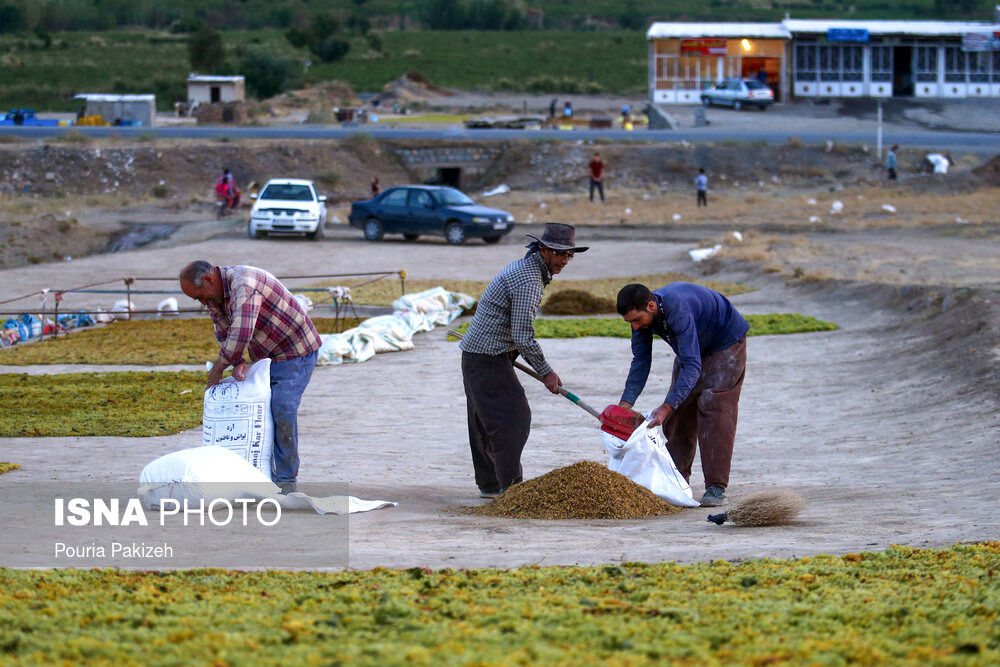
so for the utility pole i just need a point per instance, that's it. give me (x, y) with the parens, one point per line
(878, 132)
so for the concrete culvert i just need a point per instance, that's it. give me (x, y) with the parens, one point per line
(584, 490)
(577, 302)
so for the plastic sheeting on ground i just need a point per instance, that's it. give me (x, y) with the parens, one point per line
(216, 473)
(412, 314)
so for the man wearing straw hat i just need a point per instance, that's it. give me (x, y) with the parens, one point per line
(503, 328)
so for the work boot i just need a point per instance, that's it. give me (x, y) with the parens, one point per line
(287, 487)
(490, 493)
(715, 496)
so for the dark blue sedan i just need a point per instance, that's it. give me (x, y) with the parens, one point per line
(415, 210)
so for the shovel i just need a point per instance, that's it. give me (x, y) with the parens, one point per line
(616, 420)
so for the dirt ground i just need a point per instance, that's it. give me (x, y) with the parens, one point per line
(888, 425)
(60, 199)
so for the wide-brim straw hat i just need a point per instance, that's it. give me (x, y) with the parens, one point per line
(558, 236)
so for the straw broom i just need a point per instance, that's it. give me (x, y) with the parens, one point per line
(768, 508)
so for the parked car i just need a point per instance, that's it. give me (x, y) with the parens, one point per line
(288, 206)
(415, 210)
(739, 93)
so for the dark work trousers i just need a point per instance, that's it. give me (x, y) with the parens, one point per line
(707, 417)
(702, 199)
(892, 174)
(499, 418)
(600, 188)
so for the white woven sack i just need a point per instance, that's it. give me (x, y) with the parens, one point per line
(238, 417)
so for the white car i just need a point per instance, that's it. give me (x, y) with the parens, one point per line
(739, 93)
(288, 206)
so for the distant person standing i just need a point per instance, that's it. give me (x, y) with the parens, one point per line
(596, 176)
(701, 184)
(376, 187)
(552, 107)
(762, 76)
(568, 109)
(891, 164)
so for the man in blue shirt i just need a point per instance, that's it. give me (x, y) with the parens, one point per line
(708, 338)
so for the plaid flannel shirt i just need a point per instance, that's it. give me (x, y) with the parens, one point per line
(260, 315)
(504, 318)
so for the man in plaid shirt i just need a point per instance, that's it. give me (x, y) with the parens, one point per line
(255, 314)
(503, 327)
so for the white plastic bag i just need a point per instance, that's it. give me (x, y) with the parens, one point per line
(238, 417)
(644, 459)
(211, 473)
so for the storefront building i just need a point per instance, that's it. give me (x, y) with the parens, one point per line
(687, 58)
(821, 58)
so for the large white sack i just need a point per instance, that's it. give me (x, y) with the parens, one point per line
(644, 459)
(940, 163)
(440, 304)
(238, 416)
(216, 473)
(389, 333)
(417, 322)
(347, 347)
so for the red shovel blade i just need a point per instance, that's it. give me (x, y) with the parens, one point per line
(620, 422)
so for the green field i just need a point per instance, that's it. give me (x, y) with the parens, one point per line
(146, 61)
(139, 342)
(104, 14)
(903, 607)
(612, 327)
(83, 404)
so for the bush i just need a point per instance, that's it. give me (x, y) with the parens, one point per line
(320, 116)
(631, 19)
(160, 191)
(333, 49)
(359, 23)
(329, 177)
(474, 15)
(266, 74)
(206, 50)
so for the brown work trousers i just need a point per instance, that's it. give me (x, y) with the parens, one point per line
(707, 417)
(499, 418)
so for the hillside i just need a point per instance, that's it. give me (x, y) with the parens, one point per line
(58, 15)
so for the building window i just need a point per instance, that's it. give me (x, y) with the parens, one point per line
(954, 64)
(666, 72)
(996, 67)
(854, 69)
(829, 63)
(805, 62)
(979, 66)
(881, 63)
(927, 66)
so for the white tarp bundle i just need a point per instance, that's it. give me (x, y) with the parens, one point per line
(216, 473)
(939, 162)
(442, 306)
(644, 459)
(238, 417)
(412, 314)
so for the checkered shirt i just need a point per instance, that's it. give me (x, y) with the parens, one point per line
(504, 318)
(261, 316)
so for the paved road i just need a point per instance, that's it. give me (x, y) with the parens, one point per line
(975, 142)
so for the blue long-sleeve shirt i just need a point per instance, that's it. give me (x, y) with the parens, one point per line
(696, 322)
